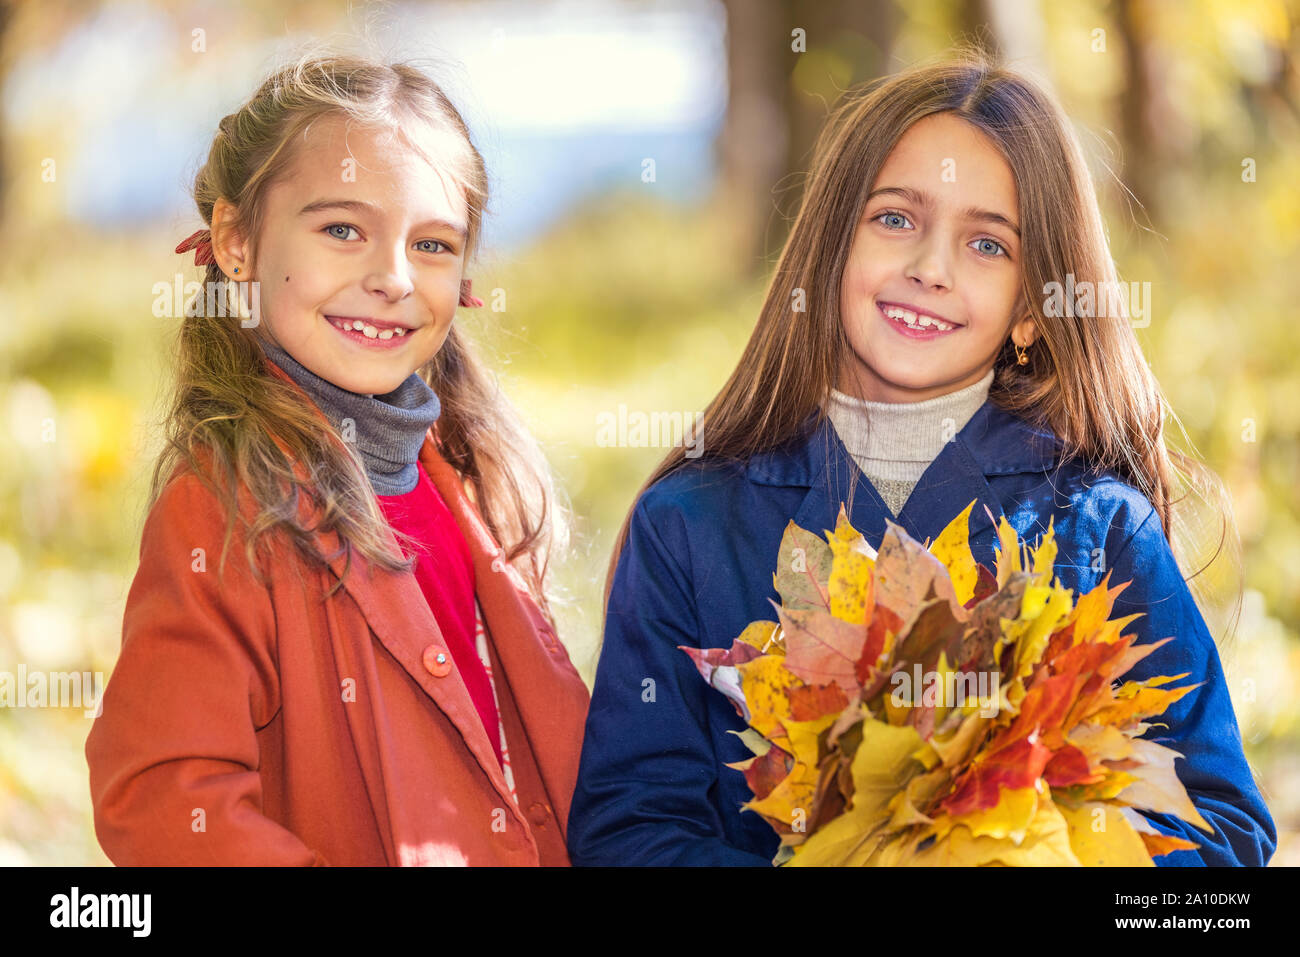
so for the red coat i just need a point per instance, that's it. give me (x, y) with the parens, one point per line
(247, 724)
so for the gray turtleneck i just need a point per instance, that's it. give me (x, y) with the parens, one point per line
(389, 428)
(894, 442)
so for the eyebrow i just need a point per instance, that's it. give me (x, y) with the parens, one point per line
(926, 201)
(357, 206)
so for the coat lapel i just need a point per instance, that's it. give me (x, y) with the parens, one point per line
(539, 689)
(395, 609)
(993, 442)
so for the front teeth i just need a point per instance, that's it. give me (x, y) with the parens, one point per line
(916, 322)
(370, 332)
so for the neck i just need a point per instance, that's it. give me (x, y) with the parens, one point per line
(898, 440)
(387, 431)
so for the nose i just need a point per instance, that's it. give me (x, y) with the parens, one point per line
(930, 266)
(390, 273)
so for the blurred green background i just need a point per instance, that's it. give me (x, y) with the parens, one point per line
(619, 289)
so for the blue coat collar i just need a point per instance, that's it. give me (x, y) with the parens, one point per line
(993, 442)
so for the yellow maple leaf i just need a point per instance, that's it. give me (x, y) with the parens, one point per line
(765, 636)
(952, 547)
(804, 737)
(1101, 742)
(1046, 843)
(1156, 787)
(883, 764)
(1101, 836)
(1008, 556)
(852, 573)
(957, 748)
(1043, 609)
(1092, 609)
(1137, 698)
(921, 791)
(1009, 819)
(1105, 789)
(766, 684)
(1045, 554)
(791, 802)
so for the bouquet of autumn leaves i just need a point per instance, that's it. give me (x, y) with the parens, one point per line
(913, 708)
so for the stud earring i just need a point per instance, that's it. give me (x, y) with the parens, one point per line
(236, 269)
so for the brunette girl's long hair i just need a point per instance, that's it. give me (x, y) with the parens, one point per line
(227, 411)
(1086, 380)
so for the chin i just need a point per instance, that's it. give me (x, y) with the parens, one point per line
(904, 374)
(353, 380)
(375, 386)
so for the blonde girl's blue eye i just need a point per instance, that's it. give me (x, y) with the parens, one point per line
(342, 231)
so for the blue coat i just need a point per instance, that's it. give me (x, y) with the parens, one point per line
(697, 568)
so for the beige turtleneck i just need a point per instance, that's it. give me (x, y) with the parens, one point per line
(894, 442)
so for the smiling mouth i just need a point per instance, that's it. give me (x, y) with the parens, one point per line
(917, 321)
(368, 329)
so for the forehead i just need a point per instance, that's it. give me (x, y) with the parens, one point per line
(415, 170)
(950, 158)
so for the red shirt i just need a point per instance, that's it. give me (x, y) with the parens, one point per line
(445, 572)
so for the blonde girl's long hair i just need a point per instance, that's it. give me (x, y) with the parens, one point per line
(1086, 379)
(227, 411)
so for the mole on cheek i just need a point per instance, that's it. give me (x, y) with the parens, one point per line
(286, 278)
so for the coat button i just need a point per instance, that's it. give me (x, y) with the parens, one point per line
(548, 635)
(437, 662)
(539, 814)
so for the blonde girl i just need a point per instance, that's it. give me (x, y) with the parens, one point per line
(338, 647)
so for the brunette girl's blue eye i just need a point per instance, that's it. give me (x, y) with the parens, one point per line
(894, 215)
(997, 250)
(343, 226)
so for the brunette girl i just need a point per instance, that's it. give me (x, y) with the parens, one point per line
(905, 360)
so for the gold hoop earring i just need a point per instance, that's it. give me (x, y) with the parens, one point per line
(1022, 355)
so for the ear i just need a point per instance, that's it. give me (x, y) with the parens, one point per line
(228, 245)
(1024, 332)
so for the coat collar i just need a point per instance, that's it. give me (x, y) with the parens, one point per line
(992, 442)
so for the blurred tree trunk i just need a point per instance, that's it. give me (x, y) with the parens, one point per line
(781, 86)
(1009, 29)
(752, 148)
(1141, 136)
(976, 23)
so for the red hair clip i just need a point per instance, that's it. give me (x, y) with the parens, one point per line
(201, 242)
(465, 298)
